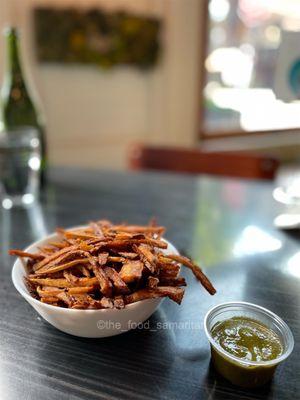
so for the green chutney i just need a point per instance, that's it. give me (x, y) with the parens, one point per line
(248, 340)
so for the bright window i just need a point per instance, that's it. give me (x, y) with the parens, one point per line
(252, 66)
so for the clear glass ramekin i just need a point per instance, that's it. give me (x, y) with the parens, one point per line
(242, 372)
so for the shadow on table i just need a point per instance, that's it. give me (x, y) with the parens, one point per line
(137, 359)
(223, 389)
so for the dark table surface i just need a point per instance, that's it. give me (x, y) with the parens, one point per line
(227, 225)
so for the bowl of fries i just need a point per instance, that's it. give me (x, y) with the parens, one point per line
(101, 279)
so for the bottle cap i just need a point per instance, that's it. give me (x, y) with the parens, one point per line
(10, 31)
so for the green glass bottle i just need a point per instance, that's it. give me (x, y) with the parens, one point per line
(17, 105)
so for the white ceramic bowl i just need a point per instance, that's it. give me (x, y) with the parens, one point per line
(85, 323)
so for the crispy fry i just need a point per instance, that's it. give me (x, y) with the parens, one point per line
(121, 243)
(63, 266)
(119, 302)
(128, 236)
(54, 291)
(31, 287)
(196, 271)
(50, 300)
(152, 282)
(146, 255)
(84, 270)
(102, 258)
(80, 289)
(130, 256)
(45, 251)
(53, 257)
(48, 291)
(63, 258)
(66, 298)
(70, 277)
(168, 270)
(174, 293)
(105, 266)
(116, 259)
(131, 271)
(97, 229)
(139, 229)
(88, 302)
(118, 283)
(76, 235)
(105, 284)
(64, 283)
(59, 245)
(106, 303)
(180, 281)
(20, 253)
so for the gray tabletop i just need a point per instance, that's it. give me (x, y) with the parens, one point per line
(226, 225)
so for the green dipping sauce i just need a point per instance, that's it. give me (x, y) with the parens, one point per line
(249, 340)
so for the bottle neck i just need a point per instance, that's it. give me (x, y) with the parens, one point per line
(13, 73)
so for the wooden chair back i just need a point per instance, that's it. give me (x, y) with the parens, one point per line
(192, 161)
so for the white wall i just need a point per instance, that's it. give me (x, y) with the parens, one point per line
(92, 115)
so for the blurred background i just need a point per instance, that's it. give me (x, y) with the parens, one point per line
(217, 75)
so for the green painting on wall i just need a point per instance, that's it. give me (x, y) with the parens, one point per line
(105, 39)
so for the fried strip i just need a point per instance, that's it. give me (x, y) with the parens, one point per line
(116, 259)
(168, 270)
(54, 256)
(123, 243)
(80, 289)
(52, 291)
(146, 255)
(97, 229)
(180, 281)
(31, 287)
(174, 293)
(105, 284)
(70, 277)
(128, 236)
(128, 255)
(154, 242)
(138, 229)
(90, 303)
(116, 280)
(84, 301)
(119, 302)
(75, 235)
(59, 245)
(196, 271)
(152, 282)
(63, 283)
(102, 258)
(106, 303)
(131, 271)
(59, 260)
(84, 270)
(66, 298)
(104, 223)
(46, 250)
(63, 266)
(48, 291)
(24, 254)
(49, 299)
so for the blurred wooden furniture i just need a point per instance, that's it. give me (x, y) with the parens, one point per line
(235, 164)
